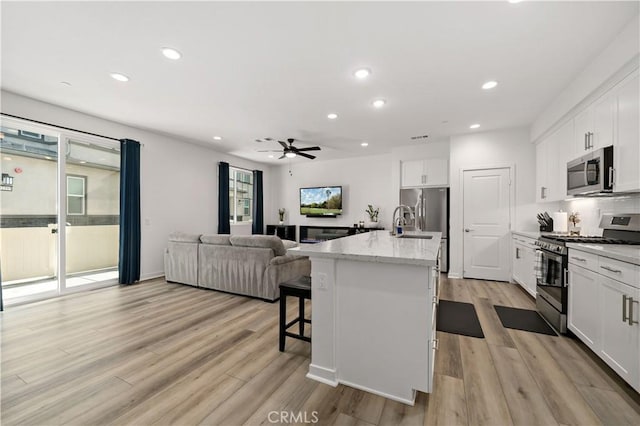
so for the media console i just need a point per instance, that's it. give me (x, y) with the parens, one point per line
(318, 234)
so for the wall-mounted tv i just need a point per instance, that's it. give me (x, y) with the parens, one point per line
(321, 201)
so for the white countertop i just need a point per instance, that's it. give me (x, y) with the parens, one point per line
(529, 234)
(624, 253)
(377, 246)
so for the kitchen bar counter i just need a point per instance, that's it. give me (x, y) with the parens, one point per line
(378, 246)
(621, 252)
(373, 320)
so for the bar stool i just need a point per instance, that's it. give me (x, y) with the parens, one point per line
(301, 288)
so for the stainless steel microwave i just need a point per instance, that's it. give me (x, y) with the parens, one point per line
(591, 174)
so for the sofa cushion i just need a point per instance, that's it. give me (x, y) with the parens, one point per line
(183, 237)
(262, 241)
(218, 239)
(289, 244)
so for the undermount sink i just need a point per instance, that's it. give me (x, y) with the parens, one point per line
(415, 234)
(422, 237)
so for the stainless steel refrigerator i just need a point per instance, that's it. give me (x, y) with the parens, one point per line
(430, 207)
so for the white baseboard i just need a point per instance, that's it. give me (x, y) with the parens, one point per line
(454, 275)
(408, 401)
(322, 375)
(151, 276)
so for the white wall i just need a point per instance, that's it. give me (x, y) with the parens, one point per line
(179, 186)
(509, 147)
(622, 53)
(364, 180)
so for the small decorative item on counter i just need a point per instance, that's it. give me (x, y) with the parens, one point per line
(361, 224)
(281, 211)
(373, 213)
(574, 220)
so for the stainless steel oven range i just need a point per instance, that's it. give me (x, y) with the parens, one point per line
(551, 285)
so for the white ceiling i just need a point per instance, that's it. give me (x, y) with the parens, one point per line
(255, 70)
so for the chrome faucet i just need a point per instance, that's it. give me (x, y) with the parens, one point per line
(400, 220)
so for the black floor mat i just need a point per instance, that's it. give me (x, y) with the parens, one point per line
(458, 318)
(523, 319)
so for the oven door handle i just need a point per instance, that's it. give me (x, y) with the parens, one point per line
(566, 277)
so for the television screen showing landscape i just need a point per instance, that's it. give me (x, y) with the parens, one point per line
(321, 201)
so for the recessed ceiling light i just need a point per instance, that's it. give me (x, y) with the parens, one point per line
(362, 73)
(474, 126)
(514, 1)
(83, 162)
(364, 144)
(171, 53)
(290, 155)
(489, 85)
(271, 156)
(47, 158)
(217, 138)
(379, 103)
(66, 83)
(332, 116)
(119, 77)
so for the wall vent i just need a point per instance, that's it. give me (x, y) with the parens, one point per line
(415, 138)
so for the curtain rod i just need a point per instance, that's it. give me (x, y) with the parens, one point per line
(59, 127)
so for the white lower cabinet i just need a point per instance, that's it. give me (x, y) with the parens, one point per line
(523, 263)
(583, 304)
(605, 314)
(620, 331)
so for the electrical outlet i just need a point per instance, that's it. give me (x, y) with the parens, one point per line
(322, 281)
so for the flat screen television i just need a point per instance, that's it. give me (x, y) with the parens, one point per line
(321, 201)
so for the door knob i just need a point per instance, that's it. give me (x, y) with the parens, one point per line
(467, 230)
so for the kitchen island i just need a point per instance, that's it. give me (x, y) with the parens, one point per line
(374, 299)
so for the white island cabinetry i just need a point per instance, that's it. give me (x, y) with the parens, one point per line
(374, 301)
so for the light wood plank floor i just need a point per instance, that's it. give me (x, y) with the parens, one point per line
(159, 353)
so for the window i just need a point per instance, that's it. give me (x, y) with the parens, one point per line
(240, 195)
(76, 195)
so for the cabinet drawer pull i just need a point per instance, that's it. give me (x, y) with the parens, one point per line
(579, 259)
(590, 140)
(585, 142)
(631, 302)
(615, 271)
(435, 344)
(624, 308)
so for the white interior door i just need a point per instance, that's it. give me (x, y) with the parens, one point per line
(487, 221)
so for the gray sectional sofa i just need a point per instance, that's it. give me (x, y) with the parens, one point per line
(251, 265)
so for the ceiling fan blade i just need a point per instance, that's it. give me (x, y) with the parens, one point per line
(284, 144)
(283, 156)
(310, 157)
(311, 148)
(270, 150)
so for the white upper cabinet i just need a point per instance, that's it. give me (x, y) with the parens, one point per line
(594, 126)
(552, 155)
(422, 173)
(626, 151)
(613, 119)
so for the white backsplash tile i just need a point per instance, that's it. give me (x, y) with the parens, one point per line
(591, 209)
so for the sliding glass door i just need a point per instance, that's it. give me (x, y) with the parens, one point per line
(92, 182)
(28, 208)
(58, 213)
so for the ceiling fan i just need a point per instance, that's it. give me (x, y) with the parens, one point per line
(290, 151)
